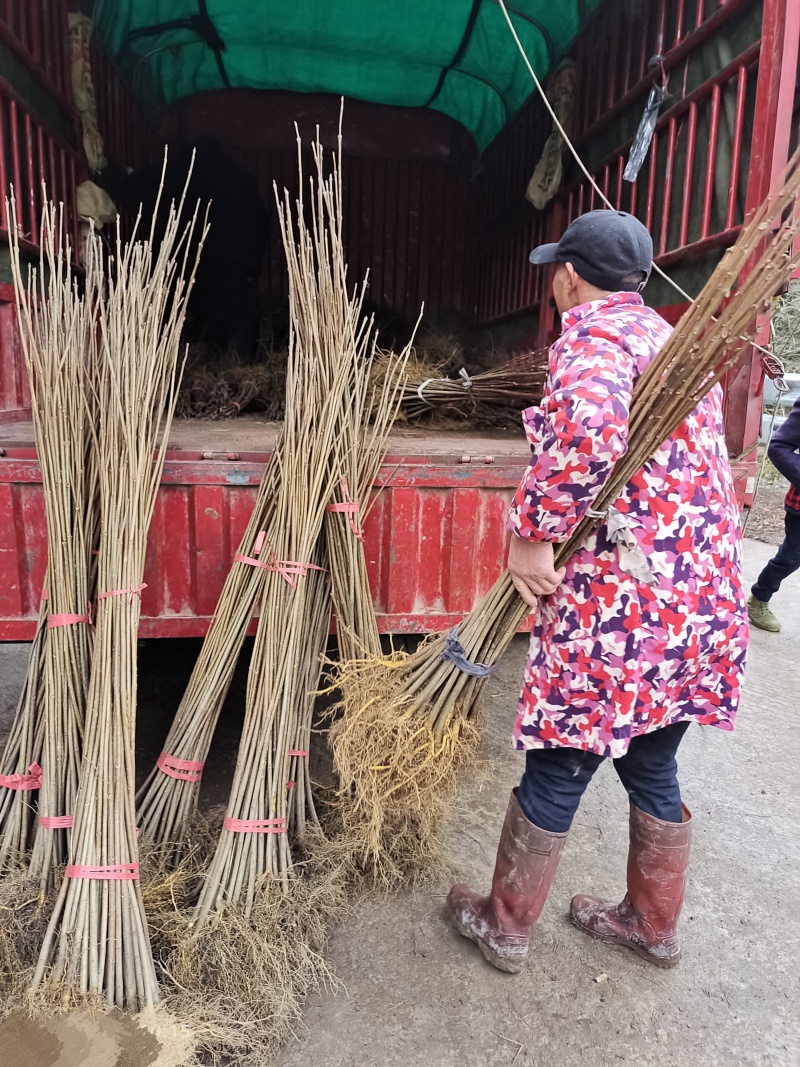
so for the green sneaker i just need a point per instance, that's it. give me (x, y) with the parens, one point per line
(761, 615)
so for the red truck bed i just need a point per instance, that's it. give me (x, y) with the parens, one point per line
(433, 220)
(434, 536)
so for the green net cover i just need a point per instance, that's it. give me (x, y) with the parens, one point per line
(456, 56)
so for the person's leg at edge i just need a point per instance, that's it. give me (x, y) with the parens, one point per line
(658, 856)
(538, 819)
(785, 562)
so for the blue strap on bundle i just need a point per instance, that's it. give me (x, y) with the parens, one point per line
(454, 652)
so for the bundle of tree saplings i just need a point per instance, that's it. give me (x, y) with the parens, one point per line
(223, 388)
(514, 385)
(325, 325)
(434, 693)
(374, 401)
(97, 943)
(58, 337)
(20, 769)
(252, 946)
(168, 798)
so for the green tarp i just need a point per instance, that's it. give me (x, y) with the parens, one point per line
(456, 56)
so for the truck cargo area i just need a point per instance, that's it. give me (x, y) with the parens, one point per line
(442, 130)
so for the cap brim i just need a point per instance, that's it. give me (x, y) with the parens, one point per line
(544, 254)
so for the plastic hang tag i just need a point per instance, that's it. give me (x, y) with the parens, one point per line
(644, 135)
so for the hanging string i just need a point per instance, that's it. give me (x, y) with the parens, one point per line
(585, 171)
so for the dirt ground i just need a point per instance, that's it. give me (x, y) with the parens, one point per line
(765, 522)
(417, 994)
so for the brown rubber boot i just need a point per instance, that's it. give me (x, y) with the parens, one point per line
(500, 924)
(647, 919)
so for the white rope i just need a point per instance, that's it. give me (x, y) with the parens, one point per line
(582, 165)
(421, 389)
(782, 387)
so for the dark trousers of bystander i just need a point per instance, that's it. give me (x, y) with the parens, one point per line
(785, 562)
(555, 779)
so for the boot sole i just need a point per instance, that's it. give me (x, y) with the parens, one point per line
(664, 963)
(489, 954)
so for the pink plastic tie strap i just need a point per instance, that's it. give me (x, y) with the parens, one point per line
(57, 822)
(129, 593)
(66, 619)
(258, 545)
(255, 826)
(289, 566)
(120, 872)
(298, 751)
(348, 507)
(23, 782)
(285, 568)
(184, 770)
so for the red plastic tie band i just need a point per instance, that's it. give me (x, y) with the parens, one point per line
(130, 593)
(43, 597)
(184, 770)
(23, 782)
(291, 785)
(66, 619)
(255, 826)
(348, 507)
(298, 751)
(258, 545)
(57, 822)
(120, 872)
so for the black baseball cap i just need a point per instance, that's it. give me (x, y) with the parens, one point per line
(604, 247)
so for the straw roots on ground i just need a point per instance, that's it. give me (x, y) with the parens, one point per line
(23, 921)
(397, 781)
(241, 985)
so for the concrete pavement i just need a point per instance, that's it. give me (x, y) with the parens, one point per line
(418, 995)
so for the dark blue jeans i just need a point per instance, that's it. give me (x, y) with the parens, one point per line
(555, 779)
(785, 562)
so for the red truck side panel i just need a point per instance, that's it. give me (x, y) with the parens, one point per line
(435, 539)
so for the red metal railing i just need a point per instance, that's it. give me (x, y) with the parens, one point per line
(691, 189)
(127, 134)
(689, 196)
(37, 31)
(631, 46)
(502, 276)
(32, 155)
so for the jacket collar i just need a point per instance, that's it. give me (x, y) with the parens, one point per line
(595, 307)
